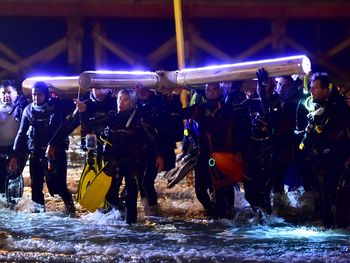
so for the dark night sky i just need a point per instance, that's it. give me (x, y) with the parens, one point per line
(28, 35)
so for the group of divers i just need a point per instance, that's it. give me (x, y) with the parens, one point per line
(229, 137)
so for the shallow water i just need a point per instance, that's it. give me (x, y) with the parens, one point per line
(181, 234)
(174, 237)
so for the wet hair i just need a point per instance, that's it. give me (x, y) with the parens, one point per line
(324, 79)
(41, 87)
(132, 95)
(9, 82)
(93, 97)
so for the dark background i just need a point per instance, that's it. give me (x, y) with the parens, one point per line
(29, 34)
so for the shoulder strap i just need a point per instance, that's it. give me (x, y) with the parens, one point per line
(130, 118)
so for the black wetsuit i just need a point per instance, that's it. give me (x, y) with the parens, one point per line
(161, 114)
(257, 154)
(10, 117)
(326, 146)
(222, 128)
(38, 124)
(96, 112)
(284, 141)
(131, 140)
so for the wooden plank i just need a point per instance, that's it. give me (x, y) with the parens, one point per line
(99, 50)
(254, 49)
(317, 58)
(211, 49)
(194, 76)
(117, 50)
(74, 40)
(9, 52)
(180, 47)
(338, 48)
(64, 86)
(7, 65)
(278, 31)
(195, 9)
(179, 34)
(166, 49)
(44, 55)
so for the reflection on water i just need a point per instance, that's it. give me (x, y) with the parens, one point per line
(181, 234)
(97, 237)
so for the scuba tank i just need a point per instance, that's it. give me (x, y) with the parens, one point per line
(91, 141)
(13, 188)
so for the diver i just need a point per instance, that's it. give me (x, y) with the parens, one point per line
(95, 108)
(130, 139)
(285, 140)
(185, 163)
(12, 104)
(160, 112)
(40, 120)
(264, 106)
(234, 94)
(222, 137)
(326, 147)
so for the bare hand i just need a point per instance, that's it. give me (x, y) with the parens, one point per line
(50, 152)
(81, 106)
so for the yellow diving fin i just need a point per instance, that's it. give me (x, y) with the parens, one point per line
(89, 173)
(87, 177)
(95, 193)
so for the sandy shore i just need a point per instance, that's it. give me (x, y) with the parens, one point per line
(170, 200)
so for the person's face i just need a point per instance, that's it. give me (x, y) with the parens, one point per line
(317, 92)
(8, 95)
(124, 102)
(212, 92)
(38, 97)
(100, 94)
(283, 87)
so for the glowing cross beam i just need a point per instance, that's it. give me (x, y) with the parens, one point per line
(189, 77)
(168, 79)
(241, 71)
(118, 79)
(61, 85)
